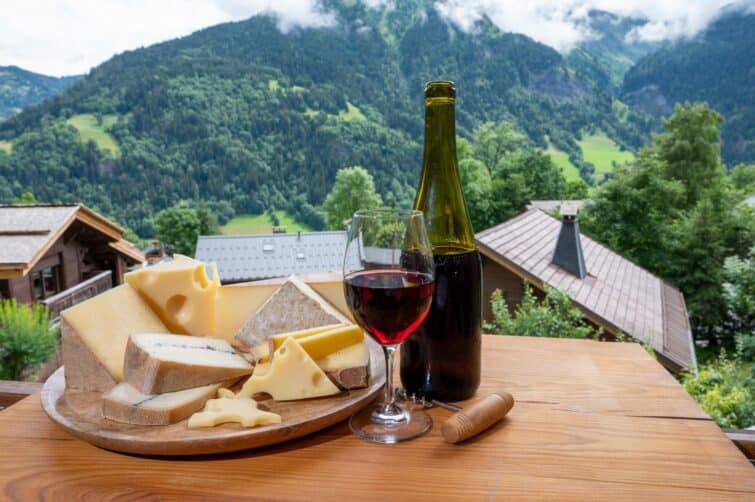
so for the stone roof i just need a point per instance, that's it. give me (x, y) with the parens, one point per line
(251, 257)
(616, 294)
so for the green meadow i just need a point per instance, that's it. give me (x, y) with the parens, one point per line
(6, 146)
(89, 129)
(599, 150)
(261, 224)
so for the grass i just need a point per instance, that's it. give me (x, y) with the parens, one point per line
(561, 159)
(6, 146)
(273, 85)
(351, 114)
(601, 151)
(261, 224)
(89, 129)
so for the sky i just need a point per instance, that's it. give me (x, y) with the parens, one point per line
(66, 37)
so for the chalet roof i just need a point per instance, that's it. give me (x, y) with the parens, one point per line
(250, 257)
(27, 231)
(616, 294)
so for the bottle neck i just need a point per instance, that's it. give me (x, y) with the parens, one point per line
(439, 195)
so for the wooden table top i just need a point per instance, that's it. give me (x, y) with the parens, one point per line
(592, 421)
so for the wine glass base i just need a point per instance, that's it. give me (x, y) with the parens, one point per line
(411, 424)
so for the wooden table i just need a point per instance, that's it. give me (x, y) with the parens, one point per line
(592, 421)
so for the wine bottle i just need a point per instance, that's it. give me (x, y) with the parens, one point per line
(441, 360)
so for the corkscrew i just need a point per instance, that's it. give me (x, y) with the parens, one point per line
(469, 421)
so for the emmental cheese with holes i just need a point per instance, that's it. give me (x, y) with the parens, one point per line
(180, 293)
(294, 306)
(94, 335)
(292, 374)
(125, 404)
(156, 363)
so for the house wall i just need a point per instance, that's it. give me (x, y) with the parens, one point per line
(495, 276)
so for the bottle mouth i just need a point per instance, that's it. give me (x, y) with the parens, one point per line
(440, 89)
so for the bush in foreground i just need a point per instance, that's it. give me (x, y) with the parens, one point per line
(26, 338)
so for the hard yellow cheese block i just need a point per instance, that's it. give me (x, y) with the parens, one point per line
(180, 293)
(320, 344)
(262, 351)
(229, 409)
(235, 303)
(293, 374)
(95, 334)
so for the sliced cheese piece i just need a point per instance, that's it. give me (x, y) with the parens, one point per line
(125, 404)
(180, 293)
(235, 303)
(94, 335)
(230, 409)
(349, 368)
(293, 306)
(293, 374)
(156, 363)
(320, 344)
(261, 353)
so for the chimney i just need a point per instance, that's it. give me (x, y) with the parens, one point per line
(568, 253)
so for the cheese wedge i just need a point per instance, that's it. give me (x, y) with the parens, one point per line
(294, 306)
(94, 335)
(180, 293)
(125, 404)
(229, 409)
(235, 303)
(261, 353)
(349, 368)
(156, 363)
(320, 344)
(293, 374)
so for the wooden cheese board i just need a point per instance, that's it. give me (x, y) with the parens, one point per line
(80, 413)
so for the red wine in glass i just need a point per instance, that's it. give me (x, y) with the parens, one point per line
(389, 304)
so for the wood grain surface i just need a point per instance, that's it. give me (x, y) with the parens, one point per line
(80, 413)
(592, 421)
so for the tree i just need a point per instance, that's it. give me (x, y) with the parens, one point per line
(26, 198)
(553, 316)
(208, 222)
(690, 148)
(26, 338)
(178, 228)
(353, 189)
(739, 292)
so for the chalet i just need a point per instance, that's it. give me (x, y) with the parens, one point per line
(251, 257)
(60, 254)
(611, 291)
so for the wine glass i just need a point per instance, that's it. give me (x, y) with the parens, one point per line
(388, 282)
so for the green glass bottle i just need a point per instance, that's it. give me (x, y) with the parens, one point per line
(441, 360)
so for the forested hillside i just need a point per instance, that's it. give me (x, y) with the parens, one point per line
(244, 115)
(20, 88)
(718, 67)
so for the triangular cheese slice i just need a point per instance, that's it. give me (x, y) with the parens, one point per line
(292, 375)
(180, 293)
(294, 306)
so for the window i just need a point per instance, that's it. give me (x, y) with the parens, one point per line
(46, 282)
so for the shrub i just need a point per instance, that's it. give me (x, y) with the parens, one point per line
(553, 317)
(26, 338)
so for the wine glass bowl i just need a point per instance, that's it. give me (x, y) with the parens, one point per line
(388, 283)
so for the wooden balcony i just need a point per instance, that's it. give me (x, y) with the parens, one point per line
(79, 293)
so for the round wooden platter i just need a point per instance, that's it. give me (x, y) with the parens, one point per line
(80, 413)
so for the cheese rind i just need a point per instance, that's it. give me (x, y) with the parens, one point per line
(294, 306)
(292, 375)
(95, 334)
(125, 404)
(235, 303)
(156, 363)
(180, 293)
(349, 368)
(231, 409)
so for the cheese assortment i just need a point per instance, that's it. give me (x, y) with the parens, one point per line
(164, 346)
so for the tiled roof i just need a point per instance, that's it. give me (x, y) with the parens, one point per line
(616, 293)
(250, 257)
(26, 232)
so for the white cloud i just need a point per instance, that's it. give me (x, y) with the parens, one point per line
(563, 24)
(63, 37)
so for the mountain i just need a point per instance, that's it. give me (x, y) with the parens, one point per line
(20, 88)
(245, 115)
(717, 66)
(609, 53)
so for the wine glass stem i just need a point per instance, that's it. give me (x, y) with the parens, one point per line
(389, 398)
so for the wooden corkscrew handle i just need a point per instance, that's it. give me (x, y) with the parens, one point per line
(477, 417)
